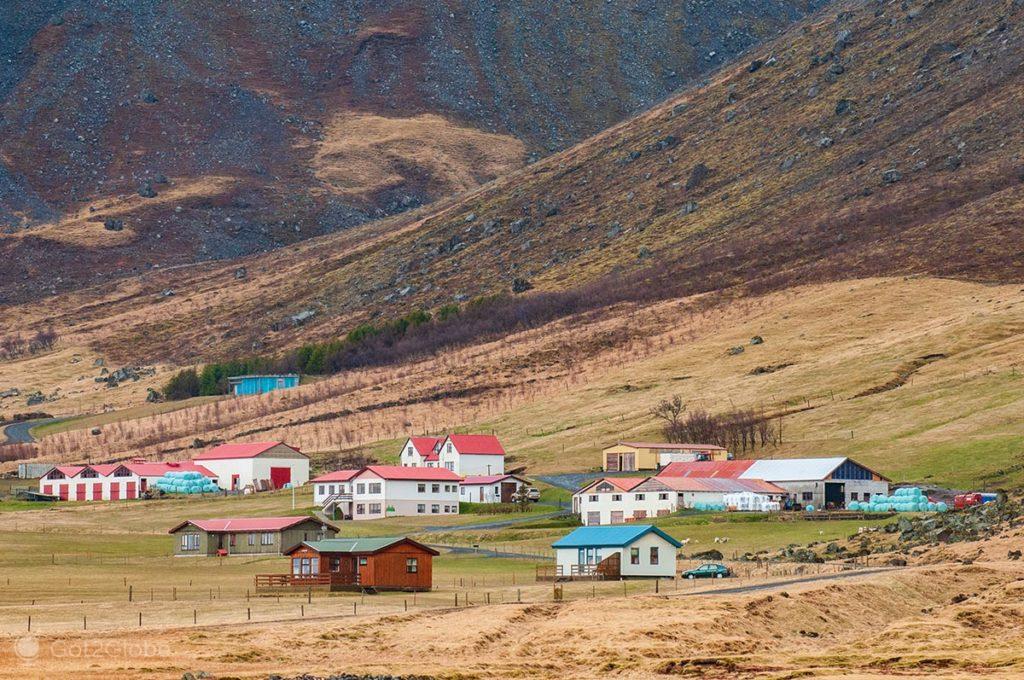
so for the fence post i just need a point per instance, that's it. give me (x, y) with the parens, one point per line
(30, 623)
(195, 616)
(129, 593)
(354, 608)
(519, 595)
(309, 595)
(140, 619)
(302, 610)
(405, 603)
(84, 624)
(248, 613)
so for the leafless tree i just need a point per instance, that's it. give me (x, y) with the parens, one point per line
(671, 412)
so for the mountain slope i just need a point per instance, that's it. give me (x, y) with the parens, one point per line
(258, 124)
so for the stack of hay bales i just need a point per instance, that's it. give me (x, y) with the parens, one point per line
(185, 483)
(907, 499)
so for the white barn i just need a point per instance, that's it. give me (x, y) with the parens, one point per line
(258, 466)
(109, 481)
(616, 500)
(642, 550)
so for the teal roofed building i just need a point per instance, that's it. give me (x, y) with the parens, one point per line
(244, 385)
(620, 551)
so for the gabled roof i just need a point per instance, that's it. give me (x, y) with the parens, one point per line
(398, 472)
(426, 446)
(477, 444)
(160, 468)
(67, 470)
(480, 480)
(336, 476)
(730, 469)
(242, 524)
(358, 545)
(246, 450)
(107, 469)
(671, 447)
(720, 485)
(610, 536)
(794, 469)
(620, 483)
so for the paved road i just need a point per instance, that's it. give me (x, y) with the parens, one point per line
(18, 433)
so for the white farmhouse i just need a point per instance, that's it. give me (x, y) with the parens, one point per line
(616, 500)
(472, 454)
(337, 483)
(420, 452)
(491, 488)
(260, 466)
(635, 550)
(392, 490)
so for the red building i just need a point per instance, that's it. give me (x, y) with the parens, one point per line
(356, 564)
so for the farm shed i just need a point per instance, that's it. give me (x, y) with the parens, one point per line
(490, 488)
(247, 535)
(640, 550)
(244, 385)
(260, 465)
(109, 481)
(633, 456)
(356, 563)
(822, 482)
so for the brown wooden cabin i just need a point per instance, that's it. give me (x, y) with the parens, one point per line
(355, 564)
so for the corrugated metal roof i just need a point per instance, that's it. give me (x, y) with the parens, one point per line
(719, 485)
(729, 469)
(477, 444)
(426, 446)
(793, 469)
(241, 524)
(245, 450)
(412, 473)
(610, 536)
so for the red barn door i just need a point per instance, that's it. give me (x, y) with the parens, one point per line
(63, 490)
(80, 492)
(97, 491)
(115, 490)
(279, 476)
(131, 490)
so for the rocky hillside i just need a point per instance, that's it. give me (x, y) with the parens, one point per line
(139, 133)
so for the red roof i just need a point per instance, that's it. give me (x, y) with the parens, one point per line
(426, 446)
(246, 523)
(477, 444)
(248, 450)
(69, 470)
(149, 468)
(412, 473)
(720, 485)
(337, 476)
(729, 469)
(473, 480)
(621, 483)
(105, 469)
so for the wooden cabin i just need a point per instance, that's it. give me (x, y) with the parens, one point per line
(355, 564)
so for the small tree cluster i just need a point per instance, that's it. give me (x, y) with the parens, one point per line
(739, 430)
(13, 346)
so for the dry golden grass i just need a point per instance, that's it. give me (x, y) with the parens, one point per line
(363, 155)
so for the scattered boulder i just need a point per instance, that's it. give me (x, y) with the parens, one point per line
(844, 106)
(148, 96)
(95, 431)
(35, 398)
(302, 317)
(757, 340)
(755, 66)
(699, 173)
(710, 555)
(126, 374)
(241, 273)
(12, 392)
(688, 208)
(152, 396)
(147, 190)
(520, 285)
(891, 176)
(733, 351)
(112, 224)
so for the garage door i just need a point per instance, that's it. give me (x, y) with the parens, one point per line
(279, 476)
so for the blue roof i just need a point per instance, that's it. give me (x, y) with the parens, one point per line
(619, 535)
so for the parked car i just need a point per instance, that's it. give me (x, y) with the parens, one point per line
(532, 494)
(712, 570)
(966, 500)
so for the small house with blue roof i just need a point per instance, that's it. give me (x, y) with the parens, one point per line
(620, 551)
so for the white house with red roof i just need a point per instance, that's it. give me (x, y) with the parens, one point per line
(109, 481)
(611, 500)
(420, 452)
(396, 491)
(472, 454)
(333, 484)
(259, 466)
(491, 488)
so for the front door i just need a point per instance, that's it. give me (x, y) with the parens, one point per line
(508, 491)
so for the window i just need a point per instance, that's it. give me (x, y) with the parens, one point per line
(409, 451)
(808, 495)
(592, 498)
(360, 509)
(448, 447)
(435, 488)
(335, 564)
(853, 495)
(252, 539)
(190, 541)
(641, 497)
(267, 539)
(867, 495)
(412, 565)
(374, 487)
(332, 489)
(374, 508)
(616, 497)
(450, 466)
(360, 488)
(231, 540)
(435, 509)
(634, 555)
(362, 561)
(662, 496)
(421, 488)
(421, 508)
(654, 554)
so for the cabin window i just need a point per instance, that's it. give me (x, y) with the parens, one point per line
(634, 555)
(267, 539)
(252, 539)
(641, 496)
(662, 496)
(374, 487)
(374, 508)
(190, 541)
(654, 554)
(331, 487)
(435, 509)
(435, 488)
(231, 539)
(867, 495)
(335, 564)
(305, 566)
(421, 508)
(616, 497)
(853, 495)
(412, 565)
(409, 451)
(362, 561)
(808, 495)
